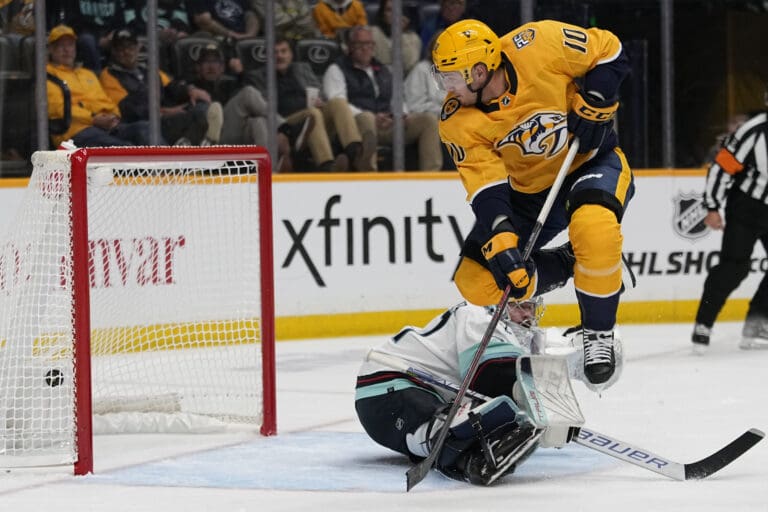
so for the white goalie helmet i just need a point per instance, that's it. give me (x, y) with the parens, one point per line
(525, 313)
(522, 319)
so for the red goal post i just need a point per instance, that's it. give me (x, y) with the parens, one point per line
(136, 294)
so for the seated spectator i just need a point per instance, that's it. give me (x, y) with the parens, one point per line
(172, 19)
(94, 22)
(420, 91)
(187, 115)
(95, 118)
(367, 85)
(293, 18)
(382, 36)
(331, 119)
(172, 24)
(18, 17)
(245, 110)
(450, 12)
(421, 94)
(227, 20)
(335, 16)
(230, 19)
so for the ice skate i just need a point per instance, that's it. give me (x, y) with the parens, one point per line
(700, 338)
(599, 357)
(754, 335)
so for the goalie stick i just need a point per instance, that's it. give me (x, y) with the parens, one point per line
(417, 472)
(605, 444)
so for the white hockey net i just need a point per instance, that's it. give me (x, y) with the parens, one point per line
(175, 279)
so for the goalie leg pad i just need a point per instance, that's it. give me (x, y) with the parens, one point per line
(544, 390)
(485, 418)
(486, 442)
(509, 449)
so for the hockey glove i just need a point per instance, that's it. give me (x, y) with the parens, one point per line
(591, 119)
(506, 263)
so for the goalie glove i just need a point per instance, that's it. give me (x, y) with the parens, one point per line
(591, 119)
(506, 263)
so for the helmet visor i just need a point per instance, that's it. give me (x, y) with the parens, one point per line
(448, 81)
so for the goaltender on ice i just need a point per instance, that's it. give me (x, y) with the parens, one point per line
(499, 424)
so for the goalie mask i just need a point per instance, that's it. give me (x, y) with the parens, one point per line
(522, 319)
(524, 314)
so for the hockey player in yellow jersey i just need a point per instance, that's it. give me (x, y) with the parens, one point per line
(513, 105)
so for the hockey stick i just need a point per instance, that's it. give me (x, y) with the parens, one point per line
(603, 443)
(664, 466)
(416, 473)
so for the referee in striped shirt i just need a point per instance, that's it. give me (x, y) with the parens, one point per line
(738, 181)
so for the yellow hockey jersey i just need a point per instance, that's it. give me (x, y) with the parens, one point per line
(522, 136)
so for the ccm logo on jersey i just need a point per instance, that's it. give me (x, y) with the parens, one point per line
(544, 132)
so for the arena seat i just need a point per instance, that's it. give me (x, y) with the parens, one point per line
(252, 53)
(318, 53)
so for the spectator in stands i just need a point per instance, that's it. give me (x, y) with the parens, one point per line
(421, 94)
(172, 24)
(18, 17)
(367, 85)
(187, 115)
(331, 119)
(94, 21)
(450, 12)
(382, 35)
(293, 18)
(333, 16)
(94, 119)
(420, 91)
(172, 19)
(228, 21)
(245, 110)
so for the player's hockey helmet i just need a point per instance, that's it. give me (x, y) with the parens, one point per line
(464, 44)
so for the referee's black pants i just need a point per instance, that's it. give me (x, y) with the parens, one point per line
(746, 222)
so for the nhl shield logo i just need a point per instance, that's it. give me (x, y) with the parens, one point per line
(689, 215)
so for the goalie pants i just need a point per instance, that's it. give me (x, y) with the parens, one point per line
(391, 405)
(746, 222)
(590, 204)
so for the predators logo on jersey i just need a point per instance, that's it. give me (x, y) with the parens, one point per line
(543, 133)
(450, 107)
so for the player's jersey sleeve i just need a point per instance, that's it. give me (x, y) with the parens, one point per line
(466, 134)
(591, 54)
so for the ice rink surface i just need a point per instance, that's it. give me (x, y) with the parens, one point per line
(668, 401)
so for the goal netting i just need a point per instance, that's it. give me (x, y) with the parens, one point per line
(135, 295)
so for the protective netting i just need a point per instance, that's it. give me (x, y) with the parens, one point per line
(174, 278)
